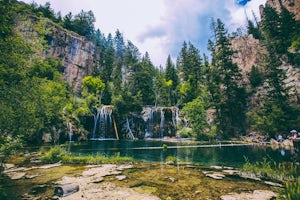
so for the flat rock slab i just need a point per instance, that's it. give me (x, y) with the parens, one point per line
(50, 166)
(216, 176)
(109, 191)
(92, 186)
(16, 175)
(121, 177)
(256, 195)
(273, 184)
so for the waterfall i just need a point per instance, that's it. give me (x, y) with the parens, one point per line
(130, 134)
(103, 123)
(162, 123)
(70, 131)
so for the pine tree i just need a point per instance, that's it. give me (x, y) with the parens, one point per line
(171, 75)
(232, 106)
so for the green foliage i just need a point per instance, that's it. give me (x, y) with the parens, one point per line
(255, 77)
(196, 115)
(165, 146)
(172, 159)
(92, 85)
(185, 133)
(296, 44)
(269, 169)
(228, 92)
(57, 153)
(292, 190)
(190, 67)
(9, 145)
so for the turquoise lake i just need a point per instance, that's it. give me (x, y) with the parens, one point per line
(153, 151)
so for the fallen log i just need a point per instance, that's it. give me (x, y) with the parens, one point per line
(66, 190)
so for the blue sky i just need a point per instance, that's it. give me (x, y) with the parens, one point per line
(161, 26)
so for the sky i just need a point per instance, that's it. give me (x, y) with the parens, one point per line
(161, 26)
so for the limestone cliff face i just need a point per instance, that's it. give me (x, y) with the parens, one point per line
(249, 52)
(78, 55)
(292, 5)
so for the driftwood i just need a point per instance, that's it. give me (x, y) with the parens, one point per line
(65, 190)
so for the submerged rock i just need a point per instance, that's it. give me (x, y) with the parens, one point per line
(216, 176)
(256, 195)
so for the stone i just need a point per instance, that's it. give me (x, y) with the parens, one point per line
(216, 176)
(255, 195)
(8, 166)
(50, 166)
(216, 167)
(231, 171)
(171, 179)
(121, 177)
(32, 176)
(16, 175)
(273, 184)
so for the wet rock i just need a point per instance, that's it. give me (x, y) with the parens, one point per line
(126, 166)
(170, 162)
(121, 177)
(32, 176)
(8, 166)
(16, 175)
(231, 171)
(250, 176)
(103, 170)
(171, 179)
(216, 176)
(97, 180)
(50, 166)
(216, 167)
(256, 195)
(273, 184)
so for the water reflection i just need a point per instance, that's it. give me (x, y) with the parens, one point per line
(152, 151)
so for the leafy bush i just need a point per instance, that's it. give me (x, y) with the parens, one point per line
(185, 133)
(55, 154)
(172, 159)
(292, 190)
(278, 171)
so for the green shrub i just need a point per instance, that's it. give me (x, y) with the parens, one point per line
(55, 154)
(186, 133)
(172, 159)
(292, 190)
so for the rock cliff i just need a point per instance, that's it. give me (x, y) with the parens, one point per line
(292, 5)
(250, 52)
(78, 55)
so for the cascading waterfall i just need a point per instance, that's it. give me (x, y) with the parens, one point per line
(70, 131)
(130, 134)
(103, 124)
(162, 123)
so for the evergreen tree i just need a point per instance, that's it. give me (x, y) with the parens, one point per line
(119, 46)
(251, 29)
(171, 75)
(189, 64)
(141, 80)
(232, 105)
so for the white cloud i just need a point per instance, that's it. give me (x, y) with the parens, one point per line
(160, 26)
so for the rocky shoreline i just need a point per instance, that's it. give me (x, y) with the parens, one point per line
(112, 182)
